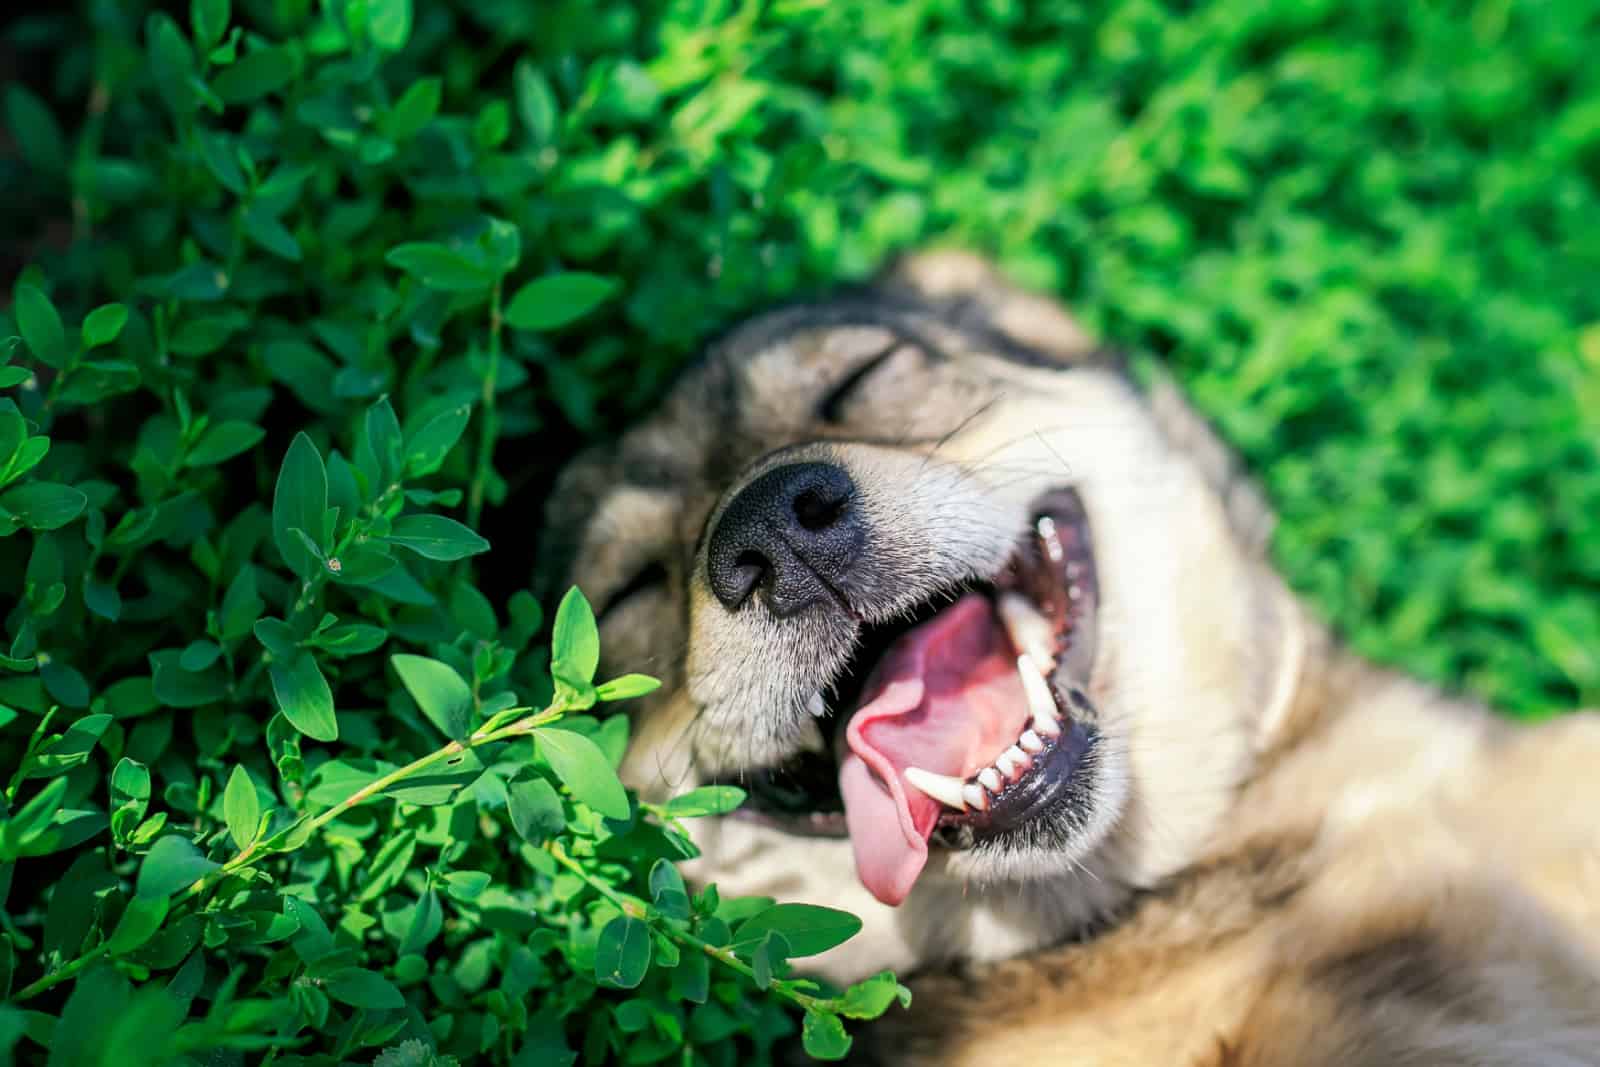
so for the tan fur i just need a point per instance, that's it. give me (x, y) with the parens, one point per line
(1293, 857)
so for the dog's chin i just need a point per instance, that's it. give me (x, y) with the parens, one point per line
(1047, 797)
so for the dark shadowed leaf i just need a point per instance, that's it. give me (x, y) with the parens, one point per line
(298, 502)
(622, 955)
(172, 863)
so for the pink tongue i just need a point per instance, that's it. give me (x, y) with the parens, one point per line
(945, 698)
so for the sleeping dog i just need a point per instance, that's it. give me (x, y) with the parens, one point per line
(989, 634)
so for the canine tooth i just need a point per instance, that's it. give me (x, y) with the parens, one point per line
(975, 796)
(1040, 701)
(1031, 742)
(990, 779)
(941, 787)
(1030, 631)
(816, 705)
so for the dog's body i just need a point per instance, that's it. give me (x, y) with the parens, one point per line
(1234, 842)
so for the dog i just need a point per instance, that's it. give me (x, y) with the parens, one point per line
(988, 632)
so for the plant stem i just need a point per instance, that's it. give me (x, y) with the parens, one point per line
(489, 425)
(683, 937)
(251, 853)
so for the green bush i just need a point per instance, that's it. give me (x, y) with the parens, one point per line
(287, 768)
(309, 293)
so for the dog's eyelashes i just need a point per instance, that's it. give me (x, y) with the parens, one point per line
(830, 408)
(651, 576)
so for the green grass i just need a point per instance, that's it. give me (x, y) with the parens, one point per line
(463, 240)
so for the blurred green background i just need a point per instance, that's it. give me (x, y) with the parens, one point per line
(1365, 235)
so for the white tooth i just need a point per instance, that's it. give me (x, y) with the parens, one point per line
(1018, 761)
(1031, 742)
(941, 787)
(1030, 631)
(1006, 765)
(1040, 702)
(991, 780)
(816, 706)
(975, 796)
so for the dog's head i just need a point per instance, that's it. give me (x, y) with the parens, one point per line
(982, 628)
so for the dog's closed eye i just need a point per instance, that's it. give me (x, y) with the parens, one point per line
(830, 408)
(651, 576)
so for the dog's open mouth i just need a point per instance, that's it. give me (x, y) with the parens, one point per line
(962, 723)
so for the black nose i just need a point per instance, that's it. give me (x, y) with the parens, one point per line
(792, 534)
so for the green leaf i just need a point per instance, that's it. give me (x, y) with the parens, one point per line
(101, 599)
(441, 268)
(584, 769)
(37, 133)
(241, 605)
(414, 110)
(255, 75)
(426, 448)
(40, 325)
(222, 441)
(706, 800)
(622, 955)
(173, 863)
(221, 157)
(171, 63)
(768, 957)
(364, 989)
(436, 537)
(439, 691)
(871, 997)
(266, 230)
(103, 325)
(71, 748)
(199, 655)
(241, 808)
(574, 642)
(140, 920)
(302, 694)
(32, 818)
(389, 23)
(426, 922)
(667, 890)
(536, 104)
(44, 505)
(209, 20)
(535, 809)
(381, 444)
(466, 886)
(627, 686)
(808, 928)
(557, 299)
(298, 502)
(824, 1037)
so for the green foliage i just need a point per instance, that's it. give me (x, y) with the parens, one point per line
(287, 768)
(315, 287)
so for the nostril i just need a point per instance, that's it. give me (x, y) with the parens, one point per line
(749, 567)
(817, 511)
